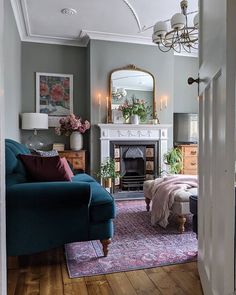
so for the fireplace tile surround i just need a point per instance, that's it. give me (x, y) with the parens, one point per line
(153, 137)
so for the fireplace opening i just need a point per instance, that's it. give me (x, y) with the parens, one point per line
(135, 162)
(132, 167)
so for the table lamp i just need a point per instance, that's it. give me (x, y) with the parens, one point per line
(34, 121)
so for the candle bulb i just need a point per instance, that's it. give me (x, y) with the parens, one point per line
(165, 102)
(99, 99)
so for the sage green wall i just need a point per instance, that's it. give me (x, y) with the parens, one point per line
(54, 59)
(185, 96)
(105, 56)
(12, 73)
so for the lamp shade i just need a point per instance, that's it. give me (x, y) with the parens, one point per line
(32, 121)
(178, 21)
(160, 29)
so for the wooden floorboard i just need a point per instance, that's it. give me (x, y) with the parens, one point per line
(46, 274)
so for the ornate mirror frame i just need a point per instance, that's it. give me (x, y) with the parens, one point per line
(133, 68)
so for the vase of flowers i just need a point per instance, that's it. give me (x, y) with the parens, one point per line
(74, 127)
(134, 119)
(76, 141)
(135, 110)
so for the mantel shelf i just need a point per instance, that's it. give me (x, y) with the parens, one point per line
(133, 126)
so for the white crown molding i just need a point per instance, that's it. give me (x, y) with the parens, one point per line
(96, 35)
(20, 22)
(55, 40)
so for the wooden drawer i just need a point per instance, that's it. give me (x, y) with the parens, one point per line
(78, 163)
(190, 151)
(190, 163)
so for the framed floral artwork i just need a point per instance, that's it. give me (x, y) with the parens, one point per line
(54, 96)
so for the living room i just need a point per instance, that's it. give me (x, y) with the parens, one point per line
(90, 66)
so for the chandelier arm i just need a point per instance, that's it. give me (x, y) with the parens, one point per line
(161, 49)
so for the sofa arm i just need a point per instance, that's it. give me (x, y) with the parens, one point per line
(48, 194)
(45, 215)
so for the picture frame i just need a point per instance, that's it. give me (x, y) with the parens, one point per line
(117, 117)
(54, 96)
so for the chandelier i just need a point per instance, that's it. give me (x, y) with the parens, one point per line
(181, 36)
(118, 93)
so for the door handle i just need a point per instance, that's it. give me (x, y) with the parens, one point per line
(191, 80)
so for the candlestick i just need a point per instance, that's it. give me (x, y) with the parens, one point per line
(99, 107)
(107, 101)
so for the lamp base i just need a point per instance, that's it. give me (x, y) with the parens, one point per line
(35, 142)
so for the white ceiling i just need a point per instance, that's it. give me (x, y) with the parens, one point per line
(115, 20)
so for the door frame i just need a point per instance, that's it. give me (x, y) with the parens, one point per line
(3, 268)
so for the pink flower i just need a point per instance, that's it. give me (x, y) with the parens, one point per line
(72, 123)
(57, 92)
(44, 91)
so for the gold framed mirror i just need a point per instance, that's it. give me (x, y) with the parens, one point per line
(129, 83)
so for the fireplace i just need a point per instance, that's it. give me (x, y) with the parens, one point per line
(119, 141)
(135, 162)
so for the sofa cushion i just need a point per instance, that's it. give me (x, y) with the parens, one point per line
(102, 203)
(45, 168)
(83, 177)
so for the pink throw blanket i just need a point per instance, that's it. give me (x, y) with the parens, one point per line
(163, 195)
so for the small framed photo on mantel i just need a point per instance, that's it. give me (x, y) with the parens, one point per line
(54, 96)
(117, 117)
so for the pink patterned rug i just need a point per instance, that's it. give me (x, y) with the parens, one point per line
(135, 245)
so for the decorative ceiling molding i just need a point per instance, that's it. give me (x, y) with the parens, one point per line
(94, 35)
(22, 21)
(134, 13)
(23, 24)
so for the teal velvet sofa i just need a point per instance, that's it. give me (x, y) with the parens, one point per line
(44, 215)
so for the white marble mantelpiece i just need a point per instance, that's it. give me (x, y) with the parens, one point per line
(130, 132)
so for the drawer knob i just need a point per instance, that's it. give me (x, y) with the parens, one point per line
(193, 152)
(193, 164)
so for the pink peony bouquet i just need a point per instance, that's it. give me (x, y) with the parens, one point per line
(70, 124)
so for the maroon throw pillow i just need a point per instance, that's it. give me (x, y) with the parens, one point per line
(45, 168)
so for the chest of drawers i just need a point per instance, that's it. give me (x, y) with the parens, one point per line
(190, 159)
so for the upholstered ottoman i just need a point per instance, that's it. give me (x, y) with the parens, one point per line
(180, 207)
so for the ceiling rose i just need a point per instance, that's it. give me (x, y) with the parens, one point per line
(69, 11)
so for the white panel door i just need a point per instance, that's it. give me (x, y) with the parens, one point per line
(2, 166)
(216, 202)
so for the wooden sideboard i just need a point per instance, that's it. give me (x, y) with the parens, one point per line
(190, 159)
(76, 158)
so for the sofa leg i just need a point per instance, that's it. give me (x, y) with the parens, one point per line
(105, 245)
(181, 222)
(148, 201)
